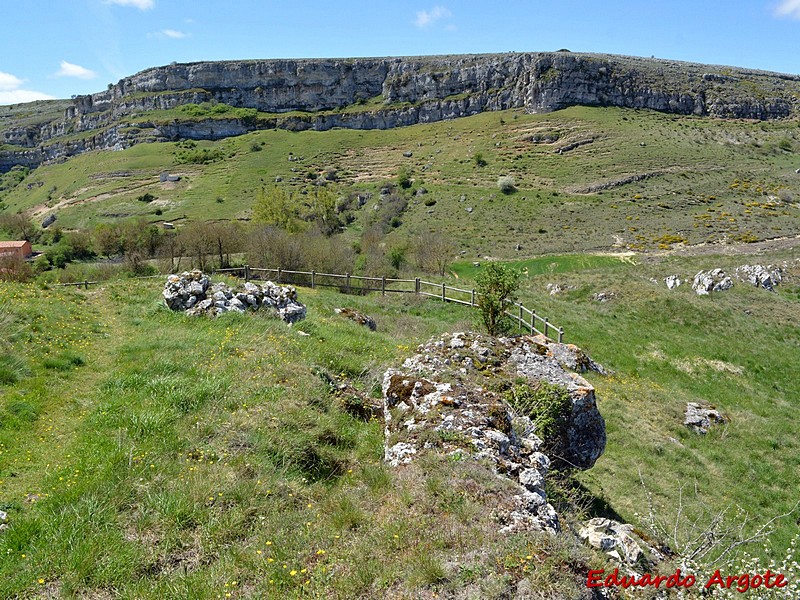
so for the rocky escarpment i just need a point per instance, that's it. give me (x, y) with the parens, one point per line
(384, 93)
(461, 396)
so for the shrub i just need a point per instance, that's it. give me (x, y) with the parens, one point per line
(547, 405)
(496, 285)
(404, 178)
(506, 184)
(479, 160)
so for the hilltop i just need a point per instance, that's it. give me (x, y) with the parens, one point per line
(380, 93)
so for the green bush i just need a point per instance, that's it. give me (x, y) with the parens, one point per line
(496, 285)
(547, 405)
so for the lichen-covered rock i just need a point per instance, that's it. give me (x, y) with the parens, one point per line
(448, 399)
(193, 292)
(672, 281)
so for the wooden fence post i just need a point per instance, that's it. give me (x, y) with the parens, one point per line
(247, 273)
(279, 274)
(383, 286)
(313, 278)
(521, 321)
(348, 282)
(472, 301)
(533, 325)
(560, 335)
(416, 285)
(545, 327)
(444, 294)
(85, 284)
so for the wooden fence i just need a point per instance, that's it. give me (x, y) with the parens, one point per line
(523, 317)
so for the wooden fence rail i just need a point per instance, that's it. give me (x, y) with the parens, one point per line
(522, 316)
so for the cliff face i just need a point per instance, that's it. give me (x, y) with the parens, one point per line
(413, 90)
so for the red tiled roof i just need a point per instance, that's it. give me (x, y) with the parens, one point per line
(12, 244)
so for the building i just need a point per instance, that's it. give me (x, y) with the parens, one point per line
(17, 249)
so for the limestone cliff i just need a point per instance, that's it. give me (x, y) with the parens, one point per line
(383, 93)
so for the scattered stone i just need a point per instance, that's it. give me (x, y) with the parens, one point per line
(557, 288)
(469, 209)
(706, 282)
(604, 296)
(49, 220)
(167, 225)
(278, 179)
(421, 191)
(192, 292)
(167, 178)
(3, 516)
(617, 540)
(408, 154)
(672, 281)
(700, 417)
(760, 276)
(358, 317)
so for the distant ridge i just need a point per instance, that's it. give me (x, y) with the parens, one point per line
(380, 93)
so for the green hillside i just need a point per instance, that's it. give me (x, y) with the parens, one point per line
(638, 179)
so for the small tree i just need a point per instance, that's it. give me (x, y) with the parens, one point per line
(496, 284)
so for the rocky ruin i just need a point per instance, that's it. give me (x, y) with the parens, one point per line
(452, 398)
(194, 293)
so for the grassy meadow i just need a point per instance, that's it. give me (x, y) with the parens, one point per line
(145, 454)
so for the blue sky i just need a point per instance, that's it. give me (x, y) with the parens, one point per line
(58, 48)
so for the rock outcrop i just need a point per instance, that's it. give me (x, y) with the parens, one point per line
(760, 276)
(715, 280)
(700, 417)
(389, 92)
(193, 292)
(618, 540)
(452, 396)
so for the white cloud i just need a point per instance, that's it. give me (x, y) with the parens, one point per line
(140, 4)
(70, 70)
(9, 82)
(425, 18)
(172, 33)
(788, 8)
(20, 96)
(10, 92)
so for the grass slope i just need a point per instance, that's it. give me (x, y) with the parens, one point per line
(638, 178)
(148, 455)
